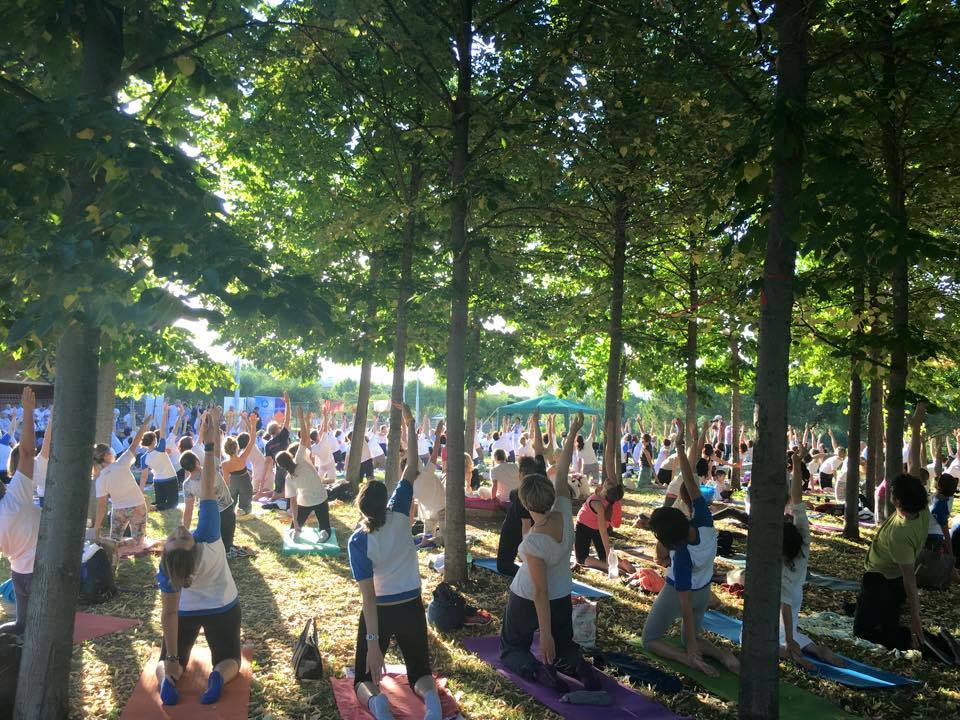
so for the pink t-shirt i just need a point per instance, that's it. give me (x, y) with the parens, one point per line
(588, 516)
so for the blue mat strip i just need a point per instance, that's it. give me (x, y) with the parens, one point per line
(579, 588)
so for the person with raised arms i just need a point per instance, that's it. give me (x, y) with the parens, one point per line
(539, 596)
(235, 466)
(113, 478)
(692, 547)
(383, 560)
(304, 487)
(156, 460)
(197, 589)
(19, 517)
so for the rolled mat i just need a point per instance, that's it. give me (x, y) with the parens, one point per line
(795, 703)
(478, 503)
(87, 626)
(404, 703)
(627, 704)
(309, 543)
(145, 703)
(854, 674)
(832, 583)
(579, 588)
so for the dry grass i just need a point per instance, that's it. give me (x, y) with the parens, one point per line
(278, 594)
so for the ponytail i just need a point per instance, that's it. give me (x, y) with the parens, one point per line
(372, 503)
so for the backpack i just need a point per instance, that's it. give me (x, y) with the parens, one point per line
(448, 609)
(96, 579)
(724, 543)
(307, 661)
(934, 569)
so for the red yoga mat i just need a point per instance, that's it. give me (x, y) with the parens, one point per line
(145, 703)
(148, 545)
(87, 626)
(404, 703)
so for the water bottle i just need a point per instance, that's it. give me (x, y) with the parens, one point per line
(613, 564)
(469, 564)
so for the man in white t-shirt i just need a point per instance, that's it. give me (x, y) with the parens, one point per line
(504, 475)
(377, 455)
(430, 496)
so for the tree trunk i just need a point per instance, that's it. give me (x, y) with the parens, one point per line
(392, 472)
(759, 679)
(735, 418)
(106, 398)
(691, 348)
(471, 429)
(455, 539)
(893, 162)
(359, 425)
(851, 523)
(45, 669)
(875, 454)
(614, 391)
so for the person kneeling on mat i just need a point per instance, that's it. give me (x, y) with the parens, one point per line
(539, 595)
(304, 487)
(384, 564)
(692, 545)
(198, 590)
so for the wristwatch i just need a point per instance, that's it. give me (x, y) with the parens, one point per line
(208, 447)
(371, 637)
(165, 658)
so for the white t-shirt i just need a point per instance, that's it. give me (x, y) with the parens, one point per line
(160, 464)
(323, 451)
(423, 445)
(40, 474)
(19, 524)
(830, 465)
(507, 476)
(374, 446)
(673, 490)
(117, 481)
(429, 492)
(173, 452)
(504, 442)
(192, 485)
(555, 554)
(588, 454)
(792, 579)
(304, 483)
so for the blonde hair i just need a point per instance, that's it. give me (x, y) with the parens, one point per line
(467, 464)
(537, 493)
(179, 565)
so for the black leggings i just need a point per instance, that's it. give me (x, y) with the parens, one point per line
(511, 534)
(228, 526)
(222, 631)
(519, 624)
(166, 493)
(405, 621)
(581, 543)
(826, 481)
(879, 607)
(322, 511)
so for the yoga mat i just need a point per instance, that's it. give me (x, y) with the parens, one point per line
(854, 674)
(404, 703)
(478, 503)
(148, 545)
(831, 583)
(627, 704)
(824, 527)
(795, 703)
(309, 543)
(579, 588)
(87, 626)
(145, 703)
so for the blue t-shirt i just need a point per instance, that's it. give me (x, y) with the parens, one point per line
(691, 564)
(940, 510)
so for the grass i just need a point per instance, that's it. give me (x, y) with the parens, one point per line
(278, 594)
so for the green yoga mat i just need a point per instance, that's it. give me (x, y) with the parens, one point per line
(795, 703)
(309, 543)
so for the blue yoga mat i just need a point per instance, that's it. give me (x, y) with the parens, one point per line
(855, 674)
(579, 588)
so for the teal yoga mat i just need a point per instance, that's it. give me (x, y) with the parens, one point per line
(579, 588)
(309, 543)
(854, 674)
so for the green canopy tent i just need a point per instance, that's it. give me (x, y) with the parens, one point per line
(546, 404)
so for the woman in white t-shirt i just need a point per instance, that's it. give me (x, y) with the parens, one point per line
(304, 487)
(19, 517)
(589, 466)
(383, 561)
(539, 595)
(323, 448)
(113, 478)
(198, 590)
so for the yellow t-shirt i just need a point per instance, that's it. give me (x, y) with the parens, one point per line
(898, 542)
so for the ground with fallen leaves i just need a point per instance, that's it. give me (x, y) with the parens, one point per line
(278, 594)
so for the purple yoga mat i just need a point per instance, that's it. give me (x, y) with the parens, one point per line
(627, 704)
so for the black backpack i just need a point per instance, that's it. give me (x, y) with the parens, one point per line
(96, 579)
(724, 543)
(448, 609)
(307, 661)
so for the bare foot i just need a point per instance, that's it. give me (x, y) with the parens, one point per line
(731, 663)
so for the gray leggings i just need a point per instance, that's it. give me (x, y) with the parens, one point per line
(21, 588)
(666, 610)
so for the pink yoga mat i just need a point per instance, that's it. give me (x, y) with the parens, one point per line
(627, 704)
(148, 545)
(145, 703)
(87, 626)
(478, 503)
(404, 703)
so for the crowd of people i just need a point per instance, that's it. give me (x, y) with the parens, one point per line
(561, 489)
